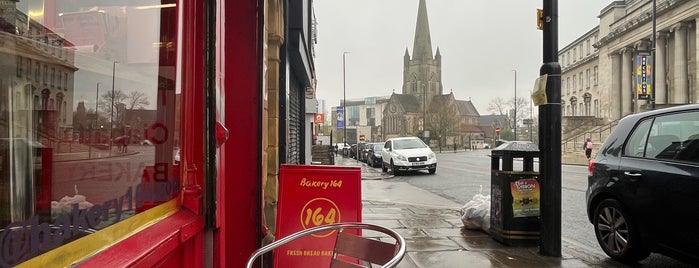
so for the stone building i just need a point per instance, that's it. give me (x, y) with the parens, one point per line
(422, 98)
(602, 74)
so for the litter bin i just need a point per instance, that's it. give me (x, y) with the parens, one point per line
(515, 195)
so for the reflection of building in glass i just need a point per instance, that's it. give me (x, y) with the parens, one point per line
(39, 75)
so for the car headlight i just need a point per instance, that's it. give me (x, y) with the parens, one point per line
(377, 154)
(401, 158)
(431, 156)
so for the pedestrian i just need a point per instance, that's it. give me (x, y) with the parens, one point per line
(588, 148)
(455, 147)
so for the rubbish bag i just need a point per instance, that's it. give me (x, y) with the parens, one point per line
(475, 214)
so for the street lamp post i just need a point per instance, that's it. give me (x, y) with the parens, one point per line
(111, 116)
(652, 71)
(344, 101)
(515, 104)
(531, 116)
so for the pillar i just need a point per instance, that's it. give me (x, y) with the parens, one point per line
(680, 92)
(626, 87)
(659, 81)
(615, 92)
(275, 39)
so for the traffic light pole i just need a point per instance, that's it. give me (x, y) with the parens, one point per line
(550, 137)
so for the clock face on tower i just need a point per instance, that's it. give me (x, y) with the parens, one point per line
(392, 108)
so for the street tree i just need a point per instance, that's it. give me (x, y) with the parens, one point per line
(136, 100)
(443, 121)
(522, 108)
(498, 106)
(109, 103)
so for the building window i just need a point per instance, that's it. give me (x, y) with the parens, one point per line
(589, 48)
(28, 71)
(19, 66)
(53, 77)
(596, 75)
(46, 74)
(587, 78)
(575, 52)
(65, 81)
(581, 51)
(596, 108)
(581, 80)
(37, 72)
(575, 83)
(563, 57)
(59, 84)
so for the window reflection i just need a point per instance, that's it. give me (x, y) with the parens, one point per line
(87, 118)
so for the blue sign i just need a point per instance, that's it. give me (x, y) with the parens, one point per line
(340, 117)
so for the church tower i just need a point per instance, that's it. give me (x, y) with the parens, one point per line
(422, 74)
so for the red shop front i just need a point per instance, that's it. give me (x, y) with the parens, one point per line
(173, 194)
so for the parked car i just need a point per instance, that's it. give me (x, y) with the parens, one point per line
(643, 186)
(366, 151)
(375, 155)
(406, 154)
(352, 151)
(361, 151)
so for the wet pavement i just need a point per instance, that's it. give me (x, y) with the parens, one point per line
(433, 230)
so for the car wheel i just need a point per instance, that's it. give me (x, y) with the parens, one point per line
(616, 232)
(432, 170)
(383, 166)
(393, 168)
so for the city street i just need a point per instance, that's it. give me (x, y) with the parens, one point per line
(461, 175)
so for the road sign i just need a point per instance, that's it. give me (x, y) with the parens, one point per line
(362, 137)
(319, 118)
(497, 130)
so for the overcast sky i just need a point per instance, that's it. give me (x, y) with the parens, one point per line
(481, 43)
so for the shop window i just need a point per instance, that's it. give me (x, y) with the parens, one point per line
(57, 150)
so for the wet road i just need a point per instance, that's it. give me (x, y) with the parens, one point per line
(463, 174)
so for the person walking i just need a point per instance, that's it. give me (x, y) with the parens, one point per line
(588, 148)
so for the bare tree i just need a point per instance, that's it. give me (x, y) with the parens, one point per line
(136, 100)
(109, 104)
(443, 121)
(498, 106)
(522, 108)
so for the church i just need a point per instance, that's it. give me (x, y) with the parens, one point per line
(422, 109)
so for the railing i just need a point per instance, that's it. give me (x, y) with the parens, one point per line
(598, 135)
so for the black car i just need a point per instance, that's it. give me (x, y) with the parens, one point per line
(374, 159)
(643, 187)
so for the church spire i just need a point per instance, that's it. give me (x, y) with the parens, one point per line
(422, 48)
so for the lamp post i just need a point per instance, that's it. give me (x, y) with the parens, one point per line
(424, 111)
(344, 101)
(652, 71)
(531, 115)
(111, 116)
(515, 104)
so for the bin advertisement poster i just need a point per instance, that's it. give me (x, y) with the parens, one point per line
(311, 196)
(525, 197)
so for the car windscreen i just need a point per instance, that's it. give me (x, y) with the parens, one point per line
(378, 147)
(408, 144)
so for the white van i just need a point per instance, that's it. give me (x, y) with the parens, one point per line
(406, 154)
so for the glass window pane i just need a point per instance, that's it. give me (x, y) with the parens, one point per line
(89, 137)
(636, 144)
